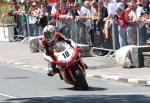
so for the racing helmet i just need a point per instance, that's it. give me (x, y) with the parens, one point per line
(49, 33)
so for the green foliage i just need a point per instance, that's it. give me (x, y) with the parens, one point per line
(4, 17)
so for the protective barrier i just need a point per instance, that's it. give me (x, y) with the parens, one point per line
(77, 31)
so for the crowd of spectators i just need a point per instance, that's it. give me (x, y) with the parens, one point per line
(127, 20)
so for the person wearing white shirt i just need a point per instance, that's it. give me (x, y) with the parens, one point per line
(87, 12)
(112, 27)
(111, 8)
(34, 12)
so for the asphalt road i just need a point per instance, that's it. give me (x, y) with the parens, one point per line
(18, 85)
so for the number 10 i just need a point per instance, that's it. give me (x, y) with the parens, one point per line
(66, 54)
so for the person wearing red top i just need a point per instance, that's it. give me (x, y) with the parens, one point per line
(56, 15)
(63, 7)
(53, 1)
(120, 19)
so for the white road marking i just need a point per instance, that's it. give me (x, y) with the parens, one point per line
(89, 75)
(133, 80)
(144, 93)
(17, 63)
(19, 58)
(6, 95)
(26, 65)
(35, 67)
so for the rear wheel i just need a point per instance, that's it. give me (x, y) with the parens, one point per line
(80, 79)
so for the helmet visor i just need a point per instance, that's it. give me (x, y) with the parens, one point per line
(48, 35)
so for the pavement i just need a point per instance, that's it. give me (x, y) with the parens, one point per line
(18, 53)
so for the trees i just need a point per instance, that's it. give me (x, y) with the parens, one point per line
(6, 22)
(4, 9)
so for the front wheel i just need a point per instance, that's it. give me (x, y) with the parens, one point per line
(80, 79)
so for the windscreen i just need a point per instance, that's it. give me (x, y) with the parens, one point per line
(60, 46)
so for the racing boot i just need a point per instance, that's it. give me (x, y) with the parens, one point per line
(52, 70)
(86, 67)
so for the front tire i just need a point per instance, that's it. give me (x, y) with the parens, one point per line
(80, 79)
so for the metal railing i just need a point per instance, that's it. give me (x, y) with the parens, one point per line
(79, 33)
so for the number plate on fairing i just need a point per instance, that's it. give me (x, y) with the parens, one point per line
(65, 53)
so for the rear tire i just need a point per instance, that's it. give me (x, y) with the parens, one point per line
(80, 79)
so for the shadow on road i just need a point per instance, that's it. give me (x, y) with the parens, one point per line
(84, 99)
(90, 89)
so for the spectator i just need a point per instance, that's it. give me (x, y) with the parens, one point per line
(13, 12)
(22, 20)
(125, 2)
(95, 19)
(146, 17)
(110, 29)
(86, 12)
(121, 21)
(77, 8)
(43, 17)
(55, 8)
(102, 13)
(78, 31)
(71, 10)
(111, 8)
(48, 9)
(79, 1)
(143, 6)
(57, 14)
(63, 7)
(132, 22)
(33, 14)
(27, 6)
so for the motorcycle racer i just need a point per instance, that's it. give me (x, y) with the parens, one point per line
(51, 36)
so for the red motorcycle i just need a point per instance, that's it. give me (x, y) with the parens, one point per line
(70, 64)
